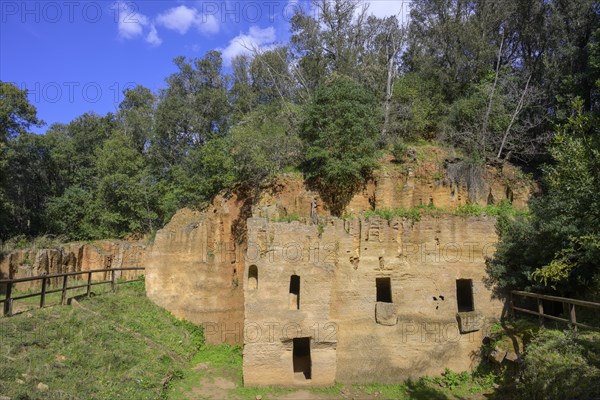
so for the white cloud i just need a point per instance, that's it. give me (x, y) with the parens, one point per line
(208, 24)
(245, 43)
(182, 18)
(152, 36)
(132, 24)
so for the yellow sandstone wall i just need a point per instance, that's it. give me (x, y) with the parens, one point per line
(338, 268)
(73, 257)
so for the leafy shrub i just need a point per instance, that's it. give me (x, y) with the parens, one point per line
(399, 150)
(340, 129)
(451, 379)
(291, 217)
(419, 107)
(557, 366)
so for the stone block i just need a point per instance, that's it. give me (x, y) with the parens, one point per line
(471, 321)
(386, 313)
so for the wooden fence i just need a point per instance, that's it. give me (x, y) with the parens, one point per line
(570, 303)
(9, 283)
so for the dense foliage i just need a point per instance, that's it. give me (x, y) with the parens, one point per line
(561, 365)
(558, 246)
(490, 78)
(340, 130)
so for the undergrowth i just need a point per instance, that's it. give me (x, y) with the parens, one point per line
(23, 242)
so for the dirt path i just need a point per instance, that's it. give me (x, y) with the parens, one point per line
(222, 383)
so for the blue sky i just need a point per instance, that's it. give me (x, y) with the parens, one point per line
(78, 56)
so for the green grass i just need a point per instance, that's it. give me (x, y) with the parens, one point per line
(222, 361)
(450, 385)
(291, 217)
(413, 214)
(502, 210)
(119, 346)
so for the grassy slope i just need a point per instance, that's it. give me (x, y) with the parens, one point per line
(116, 346)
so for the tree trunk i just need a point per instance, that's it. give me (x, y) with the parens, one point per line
(486, 118)
(514, 117)
(388, 95)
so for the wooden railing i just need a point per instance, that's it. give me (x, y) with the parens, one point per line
(10, 283)
(570, 303)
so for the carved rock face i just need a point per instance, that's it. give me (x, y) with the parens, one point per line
(199, 269)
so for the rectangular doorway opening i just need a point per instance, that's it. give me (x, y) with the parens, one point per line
(464, 295)
(295, 292)
(302, 359)
(384, 290)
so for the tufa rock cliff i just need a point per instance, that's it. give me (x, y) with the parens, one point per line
(197, 267)
(72, 257)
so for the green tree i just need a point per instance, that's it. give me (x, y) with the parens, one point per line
(340, 130)
(418, 107)
(72, 207)
(125, 200)
(137, 116)
(557, 248)
(206, 171)
(266, 143)
(17, 115)
(32, 181)
(194, 106)
(243, 97)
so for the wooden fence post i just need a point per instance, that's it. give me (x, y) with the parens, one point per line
(572, 316)
(89, 284)
(541, 311)
(63, 296)
(511, 305)
(43, 294)
(8, 303)
(113, 281)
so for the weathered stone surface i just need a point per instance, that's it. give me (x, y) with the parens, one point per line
(338, 300)
(512, 357)
(471, 321)
(386, 313)
(413, 185)
(42, 387)
(195, 267)
(274, 317)
(247, 293)
(497, 355)
(74, 257)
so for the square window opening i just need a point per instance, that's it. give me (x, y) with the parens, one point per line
(384, 290)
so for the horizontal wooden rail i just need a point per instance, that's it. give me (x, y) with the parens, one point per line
(571, 303)
(92, 271)
(9, 283)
